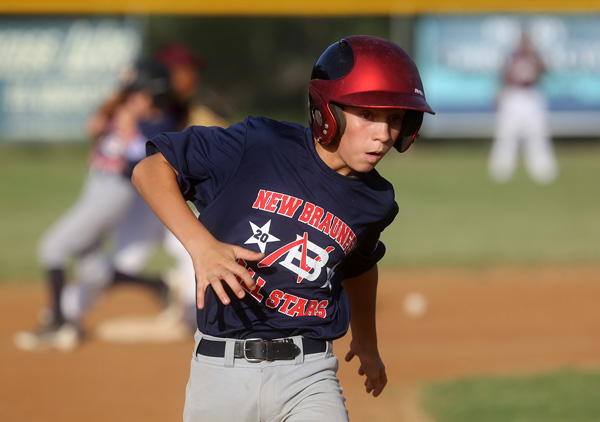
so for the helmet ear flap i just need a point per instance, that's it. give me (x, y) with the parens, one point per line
(338, 115)
(410, 128)
(322, 120)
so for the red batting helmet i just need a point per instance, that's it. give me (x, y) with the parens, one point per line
(365, 71)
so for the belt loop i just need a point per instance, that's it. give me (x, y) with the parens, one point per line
(229, 353)
(298, 342)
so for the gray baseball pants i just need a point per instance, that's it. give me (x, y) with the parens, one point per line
(230, 389)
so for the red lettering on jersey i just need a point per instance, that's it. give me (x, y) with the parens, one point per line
(335, 227)
(306, 212)
(317, 214)
(244, 264)
(322, 309)
(262, 199)
(288, 298)
(311, 214)
(273, 202)
(259, 283)
(274, 298)
(311, 309)
(255, 291)
(325, 223)
(289, 205)
(298, 308)
(294, 306)
(350, 242)
(343, 233)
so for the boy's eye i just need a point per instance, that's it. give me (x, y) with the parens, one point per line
(396, 119)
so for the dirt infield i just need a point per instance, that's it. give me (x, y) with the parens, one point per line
(487, 321)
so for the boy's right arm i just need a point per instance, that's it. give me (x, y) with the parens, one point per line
(156, 180)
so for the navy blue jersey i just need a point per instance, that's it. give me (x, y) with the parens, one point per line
(260, 184)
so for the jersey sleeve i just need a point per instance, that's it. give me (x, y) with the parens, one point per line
(369, 250)
(206, 158)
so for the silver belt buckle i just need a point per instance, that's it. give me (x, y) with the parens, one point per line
(253, 360)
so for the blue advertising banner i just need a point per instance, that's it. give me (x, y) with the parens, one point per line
(55, 71)
(460, 60)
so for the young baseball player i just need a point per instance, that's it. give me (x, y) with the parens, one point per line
(105, 199)
(286, 246)
(522, 119)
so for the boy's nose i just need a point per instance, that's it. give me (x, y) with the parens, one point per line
(383, 132)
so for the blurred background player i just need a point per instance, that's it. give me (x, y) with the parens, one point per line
(142, 108)
(521, 120)
(141, 231)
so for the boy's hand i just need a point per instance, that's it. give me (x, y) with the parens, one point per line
(371, 366)
(217, 263)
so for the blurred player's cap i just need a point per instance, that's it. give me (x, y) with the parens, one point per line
(146, 75)
(177, 54)
(151, 77)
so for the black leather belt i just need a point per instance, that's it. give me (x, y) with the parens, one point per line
(258, 350)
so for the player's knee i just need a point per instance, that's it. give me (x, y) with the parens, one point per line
(51, 253)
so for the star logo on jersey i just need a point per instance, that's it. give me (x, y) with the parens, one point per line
(261, 236)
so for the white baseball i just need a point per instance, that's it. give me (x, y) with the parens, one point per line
(415, 305)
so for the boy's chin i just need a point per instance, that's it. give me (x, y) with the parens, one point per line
(362, 168)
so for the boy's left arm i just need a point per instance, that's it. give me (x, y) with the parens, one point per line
(362, 293)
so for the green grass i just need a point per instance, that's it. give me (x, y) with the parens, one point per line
(451, 214)
(37, 184)
(564, 396)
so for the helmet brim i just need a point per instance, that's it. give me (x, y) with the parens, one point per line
(384, 99)
(375, 99)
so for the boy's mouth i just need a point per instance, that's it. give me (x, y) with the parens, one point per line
(374, 156)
